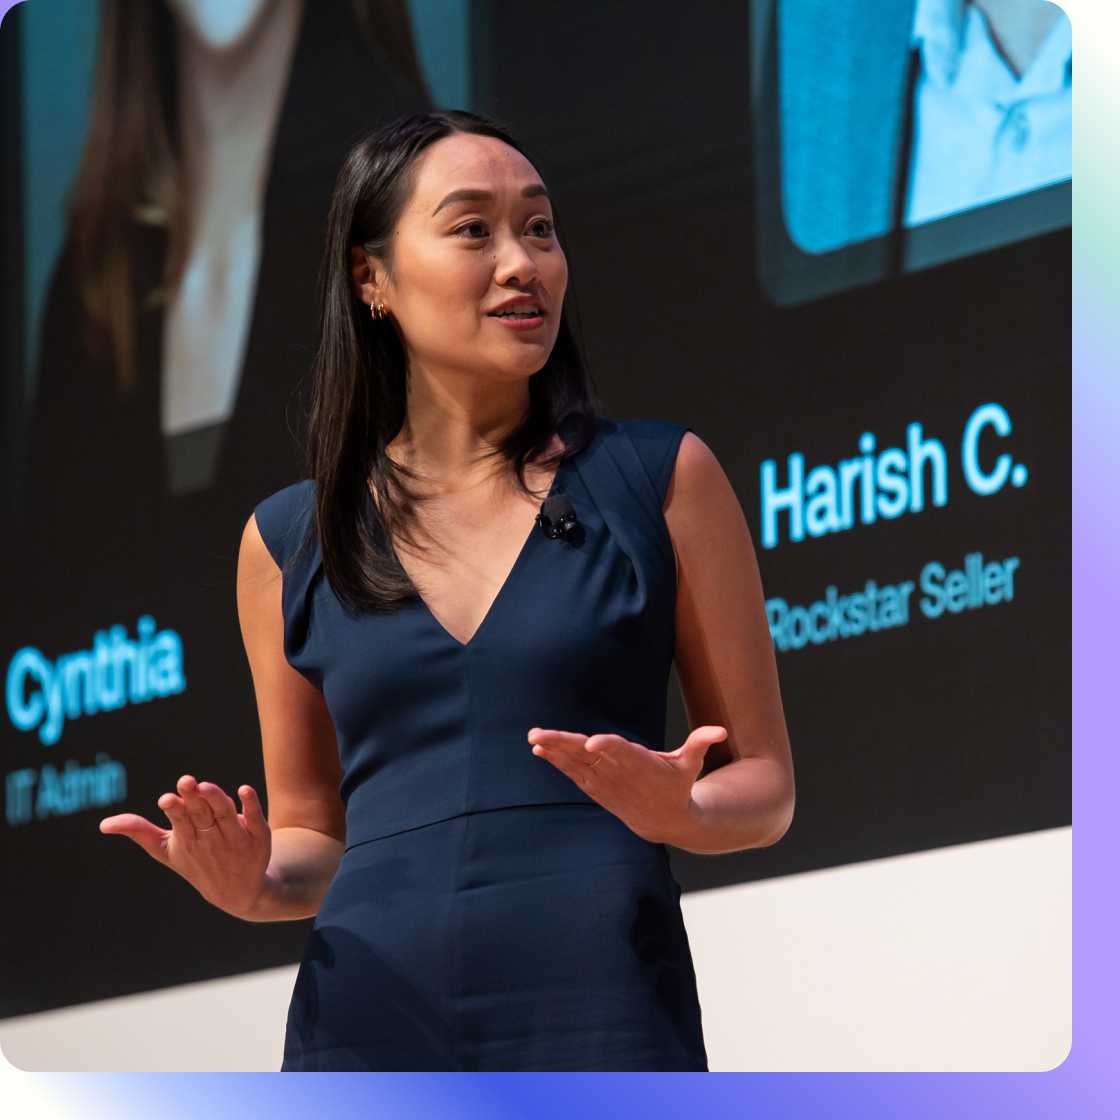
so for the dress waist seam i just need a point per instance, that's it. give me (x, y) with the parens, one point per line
(361, 838)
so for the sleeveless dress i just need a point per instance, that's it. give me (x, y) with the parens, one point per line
(487, 913)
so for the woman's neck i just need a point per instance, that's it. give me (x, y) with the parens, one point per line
(229, 105)
(444, 435)
(1019, 28)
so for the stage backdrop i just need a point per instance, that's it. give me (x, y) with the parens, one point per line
(832, 237)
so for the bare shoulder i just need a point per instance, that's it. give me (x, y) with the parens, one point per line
(701, 506)
(254, 561)
(696, 463)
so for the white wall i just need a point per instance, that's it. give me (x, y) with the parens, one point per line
(955, 959)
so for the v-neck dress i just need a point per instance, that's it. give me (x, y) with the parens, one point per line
(487, 913)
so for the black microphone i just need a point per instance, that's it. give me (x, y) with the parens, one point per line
(557, 516)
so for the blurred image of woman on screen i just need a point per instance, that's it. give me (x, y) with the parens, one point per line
(177, 330)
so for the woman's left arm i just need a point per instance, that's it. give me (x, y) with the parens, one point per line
(744, 796)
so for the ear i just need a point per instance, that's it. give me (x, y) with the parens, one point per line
(365, 275)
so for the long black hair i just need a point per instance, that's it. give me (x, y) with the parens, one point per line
(359, 375)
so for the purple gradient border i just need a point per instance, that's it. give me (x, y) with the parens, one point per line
(1079, 1086)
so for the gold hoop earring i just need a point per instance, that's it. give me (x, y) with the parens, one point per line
(377, 312)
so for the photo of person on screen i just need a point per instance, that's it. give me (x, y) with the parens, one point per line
(187, 265)
(900, 135)
(992, 103)
(177, 330)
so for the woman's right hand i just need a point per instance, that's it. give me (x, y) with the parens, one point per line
(222, 853)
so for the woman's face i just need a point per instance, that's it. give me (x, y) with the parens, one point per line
(456, 259)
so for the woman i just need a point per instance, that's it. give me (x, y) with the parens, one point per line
(461, 693)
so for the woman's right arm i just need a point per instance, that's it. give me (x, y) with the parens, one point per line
(301, 763)
(261, 869)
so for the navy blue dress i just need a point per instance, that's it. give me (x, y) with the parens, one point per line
(487, 914)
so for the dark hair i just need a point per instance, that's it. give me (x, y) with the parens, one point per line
(359, 376)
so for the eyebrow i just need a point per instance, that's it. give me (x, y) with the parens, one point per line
(469, 194)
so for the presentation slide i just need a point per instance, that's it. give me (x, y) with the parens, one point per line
(831, 237)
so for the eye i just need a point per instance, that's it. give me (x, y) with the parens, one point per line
(546, 231)
(470, 225)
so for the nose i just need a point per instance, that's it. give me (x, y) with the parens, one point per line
(514, 262)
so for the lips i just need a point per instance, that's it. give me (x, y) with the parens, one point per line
(518, 303)
(521, 309)
(519, 322)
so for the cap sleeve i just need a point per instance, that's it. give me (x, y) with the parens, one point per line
(657, 443)
(286, 523)
(282, 518)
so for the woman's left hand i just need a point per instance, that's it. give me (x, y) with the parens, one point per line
(649, 791)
